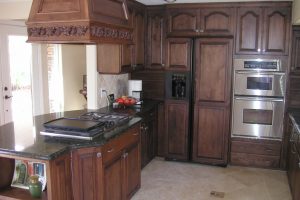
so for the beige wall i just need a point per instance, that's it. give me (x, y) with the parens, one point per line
(14, 10)
(296, 12)
(73, 68)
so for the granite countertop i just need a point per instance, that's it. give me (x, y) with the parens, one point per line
(294, 115)
(30, 144)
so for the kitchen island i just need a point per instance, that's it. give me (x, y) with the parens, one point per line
(107, 167)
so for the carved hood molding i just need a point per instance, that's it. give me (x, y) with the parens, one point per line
(79, 21)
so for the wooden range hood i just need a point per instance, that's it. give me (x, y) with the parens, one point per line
(79, 21)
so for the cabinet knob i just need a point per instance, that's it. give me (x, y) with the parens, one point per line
(201, 31)
(197, 30)
(125, 155)
(135, 134)
(110, 150)
(99, 155)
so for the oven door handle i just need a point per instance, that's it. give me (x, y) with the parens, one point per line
(259, 99)
(260, 73)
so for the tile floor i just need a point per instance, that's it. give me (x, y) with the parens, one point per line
(168, 180)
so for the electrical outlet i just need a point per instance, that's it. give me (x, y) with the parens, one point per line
(103, 92)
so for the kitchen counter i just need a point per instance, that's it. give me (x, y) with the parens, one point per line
(30, 144)
(295, 117)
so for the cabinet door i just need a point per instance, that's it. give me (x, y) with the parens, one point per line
(144, 144)
(139, 39)
(276, 31)
(161, 136)
(295, 66)
(155, 41)
(133, 170)
(249, 29)
(211, 132)
(109, 59)
(217, 21)
(213, 70)
(178, 54)
(182, 22)
(87, 174)
(113, 181)
(176, 121)
(296, 193)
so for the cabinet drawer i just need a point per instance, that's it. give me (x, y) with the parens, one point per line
(253, 160)
(256, 148)
(117, 145)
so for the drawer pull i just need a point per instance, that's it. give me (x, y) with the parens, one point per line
(135, 134)
(268, 150)
(125, 155)
(99, 155)
(110, 150)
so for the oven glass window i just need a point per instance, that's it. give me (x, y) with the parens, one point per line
(257, 116)
(259, 83)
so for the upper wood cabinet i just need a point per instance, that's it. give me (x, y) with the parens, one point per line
(249, 30)
(178, 54)
(203, 21)
(155, 39)
(263, 30)
(295, 66)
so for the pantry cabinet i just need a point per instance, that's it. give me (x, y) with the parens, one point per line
(263, 30)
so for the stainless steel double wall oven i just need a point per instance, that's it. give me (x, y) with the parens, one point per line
(258, 99)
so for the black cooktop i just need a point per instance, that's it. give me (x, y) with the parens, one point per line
(87, 126)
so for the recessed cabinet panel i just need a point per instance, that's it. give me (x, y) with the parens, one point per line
(176, 120)
(155, 41)
(139, 38)
(213, 68)
(183, 20)
(249, 29)
(210, 134)
(178, 54)
(217, 20)
(276, 31)
(295, 66)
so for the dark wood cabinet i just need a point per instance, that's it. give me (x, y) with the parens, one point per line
(148, 136)
(87, 168)
(263, 30)
(161, 136)
(212, 85)
(177, 129)
(249, 30)
(155, 52)
(178, 54)
(211, 132)
(199, 21)
(108, 172)
(277, 22)
(183, 21)
(295, 57)
(293, 161)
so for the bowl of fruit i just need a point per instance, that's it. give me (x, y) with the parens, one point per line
(126, 101)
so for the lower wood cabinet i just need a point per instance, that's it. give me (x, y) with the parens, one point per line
(210, 137)
(110, 172)
(177, 129)
(293, 162)
(255, 152)
(148, 136)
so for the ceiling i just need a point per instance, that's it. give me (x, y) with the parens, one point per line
(158, 2)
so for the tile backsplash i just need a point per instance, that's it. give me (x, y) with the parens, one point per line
(113, 84)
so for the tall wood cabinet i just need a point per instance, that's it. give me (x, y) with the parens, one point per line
(263, 30)
(212, 85)
(177, 129)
